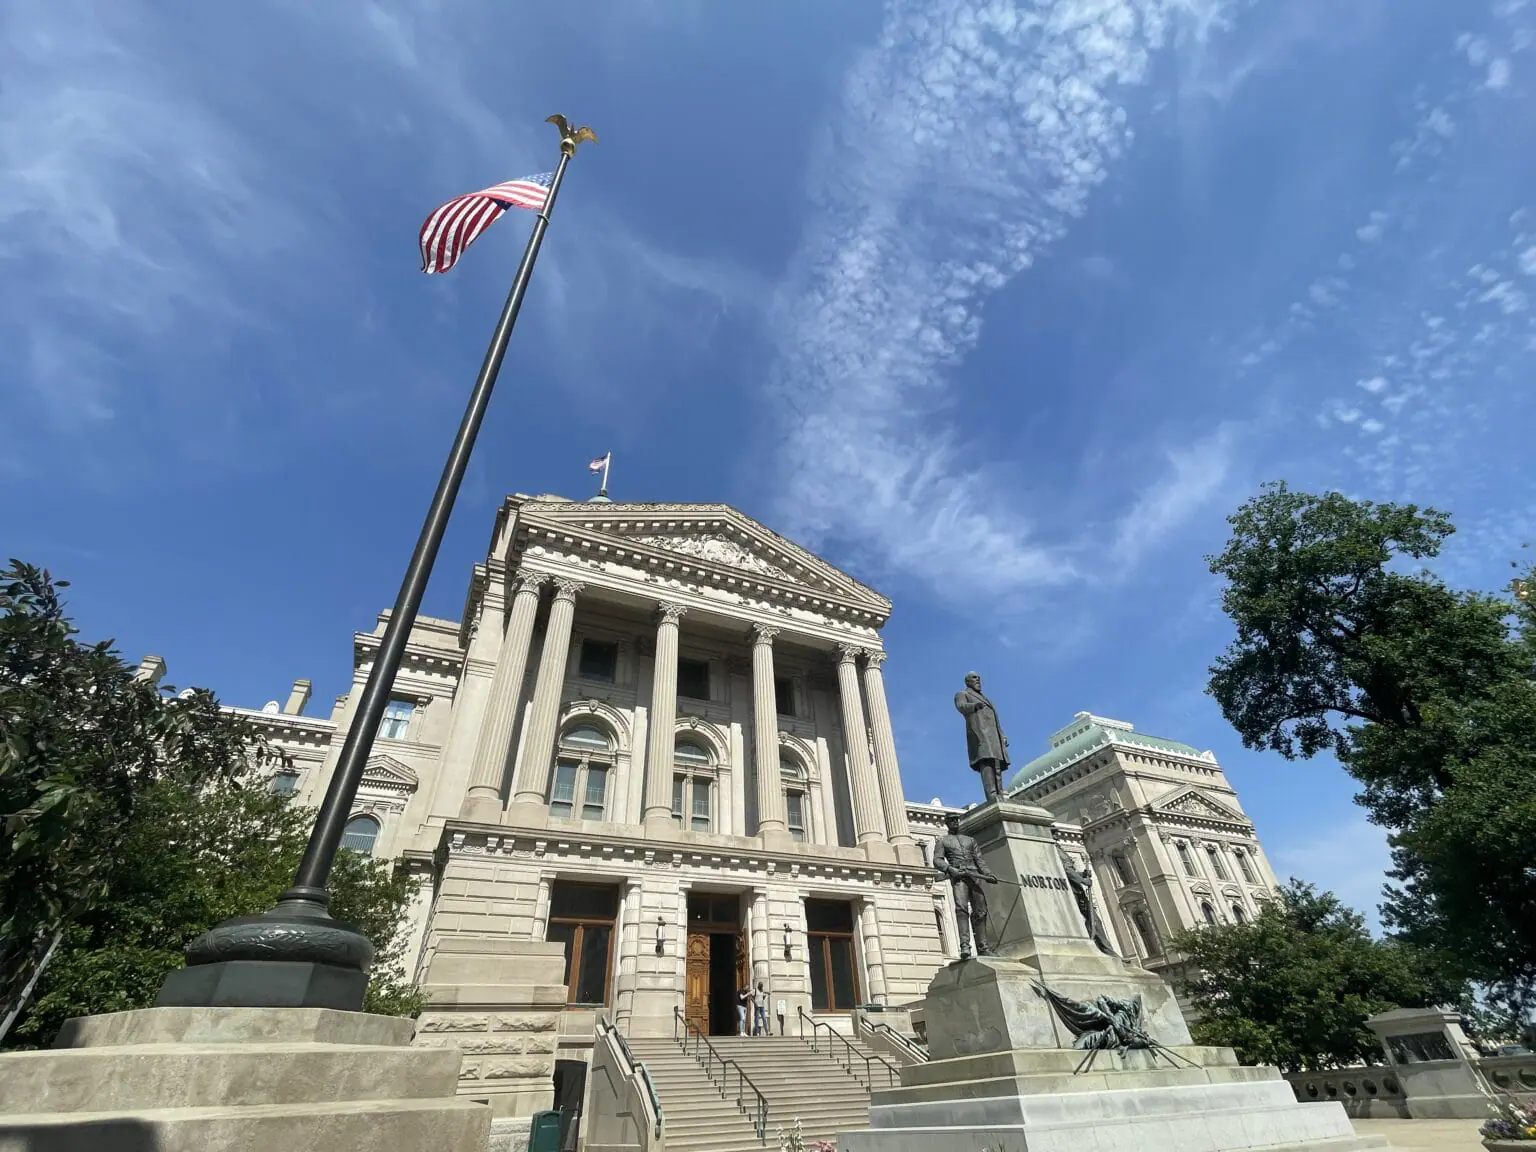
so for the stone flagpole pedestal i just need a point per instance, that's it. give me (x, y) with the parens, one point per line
(1002, 1072)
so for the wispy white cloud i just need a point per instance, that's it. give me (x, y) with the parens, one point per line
(1349, 859)
(968, 140)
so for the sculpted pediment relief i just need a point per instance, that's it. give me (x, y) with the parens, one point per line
(1202, 807)
(710, 535)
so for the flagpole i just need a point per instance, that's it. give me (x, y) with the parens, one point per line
(607, 460)
(295, 955)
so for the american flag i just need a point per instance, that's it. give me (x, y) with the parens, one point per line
(454, 226)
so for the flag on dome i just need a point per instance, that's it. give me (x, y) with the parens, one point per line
(456, 225)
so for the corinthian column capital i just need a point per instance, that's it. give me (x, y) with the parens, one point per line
(568, 589)
(529, 579)
(669, 613)
(874, 658)
(849, 653)
(764, 633)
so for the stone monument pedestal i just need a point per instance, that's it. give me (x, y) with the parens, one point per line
(1003, 1075)
(237, 1080)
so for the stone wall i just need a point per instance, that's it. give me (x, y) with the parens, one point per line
(498, 1002)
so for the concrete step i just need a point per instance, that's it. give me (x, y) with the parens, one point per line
(398, 1125)
(145, 1076)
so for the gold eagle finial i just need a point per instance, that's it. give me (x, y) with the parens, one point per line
(570, 137)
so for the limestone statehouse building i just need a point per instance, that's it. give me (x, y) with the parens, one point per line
(659, 735)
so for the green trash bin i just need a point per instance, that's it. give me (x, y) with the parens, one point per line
(544, 1134)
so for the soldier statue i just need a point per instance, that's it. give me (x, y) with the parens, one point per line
(984, 739)
(1082, 889)
(958, 857)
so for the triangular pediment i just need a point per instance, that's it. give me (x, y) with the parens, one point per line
(384, 770)
(713, 536)
(1196, 804)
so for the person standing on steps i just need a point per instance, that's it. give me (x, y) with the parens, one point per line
(743, 1004)
(760, 1011)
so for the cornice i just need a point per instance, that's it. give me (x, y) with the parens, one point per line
(313, 725)
(833, 629)
(417, 656)
(461, 838)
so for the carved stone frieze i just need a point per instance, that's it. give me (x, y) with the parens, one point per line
(716, 549)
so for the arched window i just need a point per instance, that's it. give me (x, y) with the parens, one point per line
(1218, 869)
(360, 834)
(792, 776)
(1144, 930)
(693, 782)
(583, 762)
(1208, 912)
(1122, 868)
(1238, 915)
(1186, 858)
(1245, 866)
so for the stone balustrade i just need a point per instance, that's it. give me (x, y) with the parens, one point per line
(1368, 1093)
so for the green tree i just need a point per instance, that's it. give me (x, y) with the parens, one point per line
(136, 821)
(1423, 693)
(1294, 986)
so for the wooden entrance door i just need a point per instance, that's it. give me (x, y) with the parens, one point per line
(696, 982)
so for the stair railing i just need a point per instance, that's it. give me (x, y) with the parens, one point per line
(641, 1075)
(752, 1103)
(914, 1052)
(848, 1052)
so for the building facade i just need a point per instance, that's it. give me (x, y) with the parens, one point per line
(1170, 846)
(658, 735)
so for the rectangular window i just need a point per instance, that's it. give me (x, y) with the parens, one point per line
(794, 808)
(397, 719)
(596, 792)
(1242, 862)
(700, 805)
(284, 783)
(599, 661)
(1186, 859)
(581, 916)
(679, 786)
(834, 972)
(562, 794)
(784, 695)
(1123, 869)
(693, 679)
(1216, 865)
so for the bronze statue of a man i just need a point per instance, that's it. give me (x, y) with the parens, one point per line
(1082, 891)
(958, 857)
(984, 739)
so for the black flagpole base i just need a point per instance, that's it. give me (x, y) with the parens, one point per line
(294, 956)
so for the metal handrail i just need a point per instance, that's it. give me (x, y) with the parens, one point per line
(758, 1112)
(905, 1043)
(640, 1070)
(892, 1075)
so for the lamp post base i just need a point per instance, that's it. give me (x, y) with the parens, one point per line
(264, 984)
(295, 956)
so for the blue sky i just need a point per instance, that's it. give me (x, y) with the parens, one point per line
(1001, 306)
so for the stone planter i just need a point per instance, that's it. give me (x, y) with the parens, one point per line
(1510, 1145)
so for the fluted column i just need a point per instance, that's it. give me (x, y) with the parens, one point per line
(663, 720)
(894, 803)
(483, 800)
(867, 826)
(539, 746)
(772, 821)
